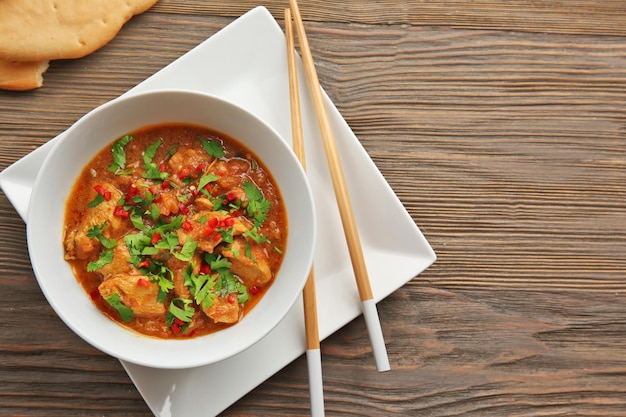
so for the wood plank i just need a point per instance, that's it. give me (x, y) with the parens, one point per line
(572, 17)
(500, 126)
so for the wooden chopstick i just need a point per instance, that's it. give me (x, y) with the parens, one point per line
(370, 312)
(313, 353)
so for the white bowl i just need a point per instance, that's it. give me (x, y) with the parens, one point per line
(98, 129)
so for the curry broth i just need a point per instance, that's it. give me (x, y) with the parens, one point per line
(220, 215)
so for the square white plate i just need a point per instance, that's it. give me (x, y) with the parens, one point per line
(246, 63)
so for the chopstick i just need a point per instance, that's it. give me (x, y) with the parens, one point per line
(313, 353)
(370, 312)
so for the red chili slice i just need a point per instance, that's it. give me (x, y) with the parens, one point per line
(156, 236)
(231, 298)
(187, 226)
(132, 190)
(103, 192)
(120, 212)
(143, 282)
(254, 290)
(143, 264)
(205, 269)
(213, 222)
(183, 173)
(183, 208)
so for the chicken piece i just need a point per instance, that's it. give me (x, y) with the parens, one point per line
(80, 246)
(238, 194)
(166, 200)
(168, 203)
(206, 232)
(252, 271)
(119, 265)
(224, 311)
(188, 158)
(230, 172)
(179, 267)
(203, 204)
(139, 296)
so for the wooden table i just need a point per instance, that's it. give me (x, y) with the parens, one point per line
(501, 125)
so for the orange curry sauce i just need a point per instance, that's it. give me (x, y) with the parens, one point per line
(175, 230)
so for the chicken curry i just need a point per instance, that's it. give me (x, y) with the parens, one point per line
(175, 230)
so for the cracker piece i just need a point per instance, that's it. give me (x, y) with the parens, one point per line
(42, 30)
(16, 75)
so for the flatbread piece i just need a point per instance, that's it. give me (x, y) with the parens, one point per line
(15, 75)
(42, 30)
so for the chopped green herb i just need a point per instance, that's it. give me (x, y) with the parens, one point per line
(212, 147)
(243, 293)
(106, 257)
(200, 287)
(187, 251)
(136, 242)
(248, 252)
(153, 211)
(206, 179)
(184, 312)
(255, 235)
(218, 262)
(149, 153)
(171, 151)
(136, 219)
(119, 155)
(97, 200)
(125, 312)
(152, 172)
(258, 206)
(96, 232)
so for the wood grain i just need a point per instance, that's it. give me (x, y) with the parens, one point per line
(501, 126)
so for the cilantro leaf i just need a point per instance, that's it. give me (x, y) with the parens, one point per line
(200, 287)
(150, 152)
(119, 155)
(219, 263)
(206, 179)
(137, 220)
(255, 235)
(169, 242)
(153, 211)
(171, 151)
(244, 295)
(106, 257)
(136, 242)
(152, 172)
(212, 147)
(258, 206)
(125, 312)
(96, 232)
(187, 251)
(97, 200)
(184, 312)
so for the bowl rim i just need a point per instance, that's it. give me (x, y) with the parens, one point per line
(112, 348)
